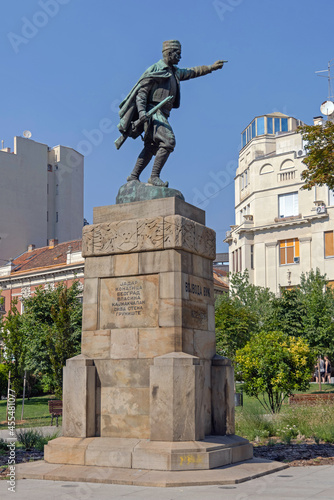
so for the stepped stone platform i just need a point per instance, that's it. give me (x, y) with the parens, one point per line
(231, 474)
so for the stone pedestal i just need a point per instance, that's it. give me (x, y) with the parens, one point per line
(148, 390)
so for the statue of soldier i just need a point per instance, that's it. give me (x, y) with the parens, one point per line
(161, 80)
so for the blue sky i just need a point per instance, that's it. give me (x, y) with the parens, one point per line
(66, 64)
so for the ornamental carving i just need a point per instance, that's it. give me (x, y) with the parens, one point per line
(157, 233)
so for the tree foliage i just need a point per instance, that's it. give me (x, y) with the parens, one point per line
(273, 365)
(240, 314)
(52, 327)
(320, 155)
(234, 325)
(15, 346)
(318, 320)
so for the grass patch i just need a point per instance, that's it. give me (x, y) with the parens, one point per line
(295, 422)
(36, 412)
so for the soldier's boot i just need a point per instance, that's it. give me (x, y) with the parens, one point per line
(160, 160)
(142, 161)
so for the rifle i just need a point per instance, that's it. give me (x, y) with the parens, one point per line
(135, 125)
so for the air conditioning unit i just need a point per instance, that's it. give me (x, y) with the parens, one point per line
(296, 260)
(321, 209)
(301, 152)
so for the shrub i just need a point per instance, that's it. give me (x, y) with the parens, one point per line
(273, 365)
(30, 438)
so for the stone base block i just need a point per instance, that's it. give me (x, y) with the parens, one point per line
(212, 452)
(231, 474)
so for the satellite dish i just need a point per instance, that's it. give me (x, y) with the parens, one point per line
(27, 134)
(327, 108)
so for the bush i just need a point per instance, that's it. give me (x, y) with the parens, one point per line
(273, 365)
(30, 438)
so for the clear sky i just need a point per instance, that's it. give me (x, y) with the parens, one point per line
(66, 64)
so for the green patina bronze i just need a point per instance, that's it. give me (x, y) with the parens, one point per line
(146, 110)
(139, 191)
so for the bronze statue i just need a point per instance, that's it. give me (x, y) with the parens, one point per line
(148, 105)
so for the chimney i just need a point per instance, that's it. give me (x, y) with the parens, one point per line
(318, 120)
(31, 247)
(53, 243)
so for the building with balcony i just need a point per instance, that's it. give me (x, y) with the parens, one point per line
(280, 230)
(41, 196)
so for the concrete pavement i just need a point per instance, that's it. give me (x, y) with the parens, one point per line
(294, 483)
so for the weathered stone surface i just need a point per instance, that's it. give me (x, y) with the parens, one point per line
(66, 450)
(173, 231)
(79, 397)
(99, 267)
(222, 399)
(110, 452)
(176, 387)
(143, 209)
(158, 341)
(125, 426)
(96, 343)
(139, 191)
(124, 343)
(124, 372)
(129, 302)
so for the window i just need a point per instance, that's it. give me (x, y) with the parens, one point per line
(260, 125)
(288, 204)
(330, 197)
(329, 244)
(284, 122)
(253, 129)
(252, 256)
(56, 216)
(289, 251)
(246, 177)
(49, 168)
(277, 125)
(269, 125)
(242, 181)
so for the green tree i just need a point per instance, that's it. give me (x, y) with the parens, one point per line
(318, 320)
(273, 365)
(288, 313)
(256, 298)
(320, 155)
(234, 325)
(63, 339)
(50, 318)
(15, 348)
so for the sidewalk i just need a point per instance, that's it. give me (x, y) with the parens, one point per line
(293, 483)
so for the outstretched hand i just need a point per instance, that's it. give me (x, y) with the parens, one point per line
(218, 65)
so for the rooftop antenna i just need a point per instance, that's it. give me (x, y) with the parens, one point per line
(27, 134)
(327, 107)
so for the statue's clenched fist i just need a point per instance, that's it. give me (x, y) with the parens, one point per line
(218, 65)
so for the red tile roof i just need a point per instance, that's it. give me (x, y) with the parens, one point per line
(45, 256)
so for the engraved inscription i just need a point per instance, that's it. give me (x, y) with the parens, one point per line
(197, 289)
(130, 299)
(129, 302)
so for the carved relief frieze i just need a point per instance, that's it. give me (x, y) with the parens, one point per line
(158, 233)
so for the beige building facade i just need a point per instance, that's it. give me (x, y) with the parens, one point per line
(280, 230)
(41, 196)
